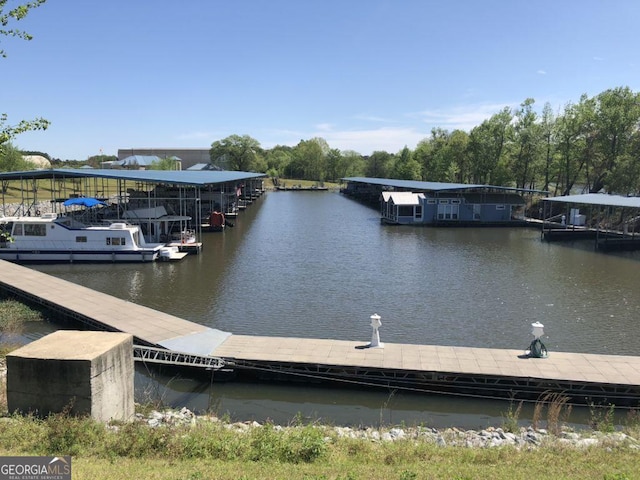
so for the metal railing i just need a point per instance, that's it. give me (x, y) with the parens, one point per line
(169, 357)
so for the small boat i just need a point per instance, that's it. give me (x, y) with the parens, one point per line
(54, 238)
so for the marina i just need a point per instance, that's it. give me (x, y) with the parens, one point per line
(475, 372)
(158, 213)
(471, 288)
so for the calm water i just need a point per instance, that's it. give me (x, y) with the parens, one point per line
(312, 264)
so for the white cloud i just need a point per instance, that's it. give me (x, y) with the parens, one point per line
(541, 72)
(371, 118)
(389, 139)
(324, 127)
(598, 59)
(462, 117)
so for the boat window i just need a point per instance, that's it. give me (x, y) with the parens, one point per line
(499, 207)
(35, 230)
(81, 239)
(18, 229)
(116, 241)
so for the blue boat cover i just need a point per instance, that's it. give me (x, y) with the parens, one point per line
(84, 201)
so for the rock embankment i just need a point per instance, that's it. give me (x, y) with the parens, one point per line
(526, 437)
(17, 209)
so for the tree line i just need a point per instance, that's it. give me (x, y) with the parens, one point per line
(589, 146)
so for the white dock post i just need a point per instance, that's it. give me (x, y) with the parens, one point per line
(375, 334)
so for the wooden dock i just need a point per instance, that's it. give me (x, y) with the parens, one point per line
(475, 372)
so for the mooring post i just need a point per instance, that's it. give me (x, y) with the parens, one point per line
(375, 334)
(537, 348)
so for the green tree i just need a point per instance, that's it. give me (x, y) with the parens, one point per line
(235, 153)
(547, 131)
(335, 165)
(308, 160)
(379, 164)
(458, 150)
(527, 135)
(8, 132)
(277, 160)
(435, 157)
(406, 167)
(571, 145)
(96, 161)
(11, 160)
(488, 144)
(625, 178)
(352, 164)
(167, 163)
(615, 121)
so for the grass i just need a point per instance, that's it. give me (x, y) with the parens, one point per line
(211, 450)
(13, 316)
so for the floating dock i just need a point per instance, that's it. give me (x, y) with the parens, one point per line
(474, 372)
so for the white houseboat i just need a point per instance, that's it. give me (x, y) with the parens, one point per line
(53, 238)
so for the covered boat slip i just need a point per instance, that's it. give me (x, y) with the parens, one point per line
(404, 202)
(153, 199)
(478, 372)
(612, 221)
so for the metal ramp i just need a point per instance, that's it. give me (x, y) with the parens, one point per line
(182, 359)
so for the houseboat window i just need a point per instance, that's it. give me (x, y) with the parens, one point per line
(448, 212)
(18, 229)
(431, 201)
(499, 207)
(35, 230)
(418, 211)
(405, 211)
(443, 201)
(455, 201)
(81, 239)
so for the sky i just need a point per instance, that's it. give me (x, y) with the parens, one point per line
(365, 75)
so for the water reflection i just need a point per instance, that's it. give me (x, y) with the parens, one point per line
(283, 403)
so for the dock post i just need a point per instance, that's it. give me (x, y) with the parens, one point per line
(375, 334)
(537, 348)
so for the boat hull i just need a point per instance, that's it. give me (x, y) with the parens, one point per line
(57, 256)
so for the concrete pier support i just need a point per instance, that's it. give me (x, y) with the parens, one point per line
(89, 373)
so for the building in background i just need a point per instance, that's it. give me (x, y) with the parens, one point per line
(188, 156)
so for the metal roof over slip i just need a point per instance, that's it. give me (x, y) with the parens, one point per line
(601, 199)
(177, 177)
(432, 186)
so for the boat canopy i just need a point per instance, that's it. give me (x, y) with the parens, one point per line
(84, 201)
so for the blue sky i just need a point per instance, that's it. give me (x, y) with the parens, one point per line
(365, 75)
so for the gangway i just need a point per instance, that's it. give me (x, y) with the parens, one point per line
(170, 357)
